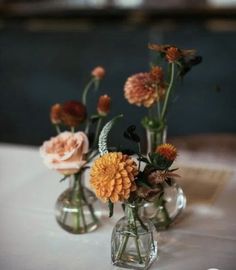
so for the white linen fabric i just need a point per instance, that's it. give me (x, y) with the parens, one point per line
(30, 239)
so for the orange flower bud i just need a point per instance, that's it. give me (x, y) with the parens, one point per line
(98, 72)
(103, 106)
(73, 113)
(168, 151)
(157, 74)
(55, 114)
(173, 54)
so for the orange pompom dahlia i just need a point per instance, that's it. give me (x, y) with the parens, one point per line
(168, 151)
(103, 106)
(140, 89)
(55, 113)
(112, 177)
(98, 72)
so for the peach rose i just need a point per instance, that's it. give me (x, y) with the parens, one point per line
(65, 152)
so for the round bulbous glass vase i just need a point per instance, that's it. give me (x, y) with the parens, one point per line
(132, 243)
(165, 207)
(76, 208)
(155, 137)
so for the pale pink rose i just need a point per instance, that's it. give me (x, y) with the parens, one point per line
(65, 152)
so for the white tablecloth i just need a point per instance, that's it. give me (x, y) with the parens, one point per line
(30, 238)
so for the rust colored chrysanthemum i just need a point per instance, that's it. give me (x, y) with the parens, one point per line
(157, 74)
(168, 151)
(55, 114)
(103, 106)
(73, 113)
(173, 54)
(140, 89)
(98, 72)
(112, 177)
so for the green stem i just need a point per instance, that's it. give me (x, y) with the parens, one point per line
(90, 207)
(80, 197)
(133, 220)
(158, 111)
(58, 130)
(72, 129)
(122, 247)
(164, 109)
(86, 89)
(98, 127)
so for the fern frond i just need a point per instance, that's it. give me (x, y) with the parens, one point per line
(102, 141)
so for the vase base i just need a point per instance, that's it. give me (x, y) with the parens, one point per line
(81, 230)
(130, 262)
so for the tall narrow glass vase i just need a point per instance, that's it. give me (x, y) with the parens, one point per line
(132, 244)
(75, 208)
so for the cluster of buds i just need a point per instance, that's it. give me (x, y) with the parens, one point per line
(73, 113)
(157, 171)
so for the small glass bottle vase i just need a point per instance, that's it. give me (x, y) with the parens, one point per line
(132, 243)
(75, 208)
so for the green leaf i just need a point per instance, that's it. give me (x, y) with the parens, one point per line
(64, 178)
(111, 207)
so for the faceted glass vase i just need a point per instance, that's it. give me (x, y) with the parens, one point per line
(75, 208)
(132, 244)
(164, 209)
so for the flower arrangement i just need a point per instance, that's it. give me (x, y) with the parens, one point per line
(153, 89)
(72, 149)
(118, 177)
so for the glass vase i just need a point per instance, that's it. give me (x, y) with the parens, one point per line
(155, 137)
(132, 243)
(166, 206)
(75, 211)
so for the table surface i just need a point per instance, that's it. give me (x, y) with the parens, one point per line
(203, 238)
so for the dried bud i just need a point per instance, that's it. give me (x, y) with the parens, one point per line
(147, 193)
(157, 74)
(158, 177)
(103, 106)
(55, 114)
(168, 151)
(173, 54)
(73, 113)
(98, 72)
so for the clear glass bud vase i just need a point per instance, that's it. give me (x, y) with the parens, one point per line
(132, 243)
(75, 208)
(166, 206)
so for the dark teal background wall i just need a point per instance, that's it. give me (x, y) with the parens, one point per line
(40, 68)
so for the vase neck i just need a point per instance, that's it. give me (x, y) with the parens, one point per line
(76, 182)
(155, 137)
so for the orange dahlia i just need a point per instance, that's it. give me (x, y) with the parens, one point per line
(112, 177)
(140, 89)
(55, 114)
(168, 151)
(98, 72)
(103, 106)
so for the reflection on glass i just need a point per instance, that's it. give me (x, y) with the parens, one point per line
(128, 3)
